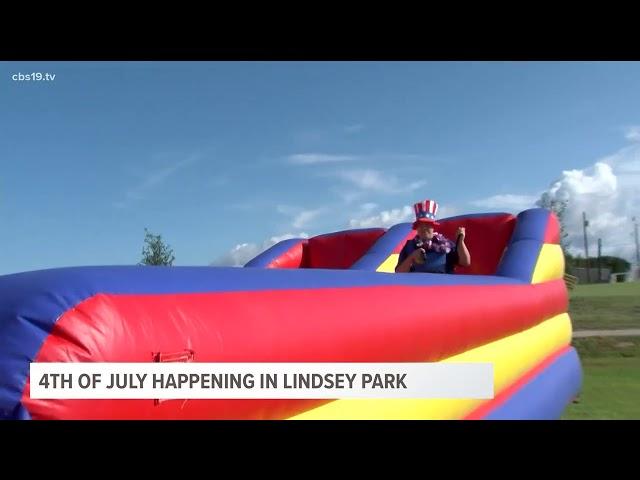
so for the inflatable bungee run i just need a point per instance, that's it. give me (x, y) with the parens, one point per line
(330, 298)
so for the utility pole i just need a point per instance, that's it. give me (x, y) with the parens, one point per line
(585, 224)
(635, 226)
(599, 255)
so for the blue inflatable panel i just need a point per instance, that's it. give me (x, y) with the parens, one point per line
(547, 395)
(266, 257)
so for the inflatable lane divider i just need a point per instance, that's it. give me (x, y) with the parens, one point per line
(531, 248)
(512, 357)
(544, 394)
(285, 254)
(487, 407)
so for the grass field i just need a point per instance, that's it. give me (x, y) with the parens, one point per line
(611, 365)
(611, 386)
(605, 306)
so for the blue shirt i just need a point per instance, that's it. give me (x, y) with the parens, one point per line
(436, 262)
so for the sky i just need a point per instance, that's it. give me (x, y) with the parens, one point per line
(223, 159)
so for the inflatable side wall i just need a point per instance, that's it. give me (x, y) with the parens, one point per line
(537, 373)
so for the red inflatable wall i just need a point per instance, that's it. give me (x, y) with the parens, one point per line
(340, 250)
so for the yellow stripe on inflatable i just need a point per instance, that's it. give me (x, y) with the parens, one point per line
(389, 265)
(550, 264)
(512, 357)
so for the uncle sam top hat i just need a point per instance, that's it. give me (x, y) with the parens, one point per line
(425, 213)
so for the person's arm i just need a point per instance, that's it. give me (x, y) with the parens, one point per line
(464, 257)
(404, 266)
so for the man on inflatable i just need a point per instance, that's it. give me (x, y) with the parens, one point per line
(429, 251)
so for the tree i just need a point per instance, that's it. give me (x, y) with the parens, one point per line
(615, 264)
(155, 252)
(559, 207)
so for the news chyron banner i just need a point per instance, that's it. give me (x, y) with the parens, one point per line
(261, 380)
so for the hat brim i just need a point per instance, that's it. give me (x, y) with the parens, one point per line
(425, 220)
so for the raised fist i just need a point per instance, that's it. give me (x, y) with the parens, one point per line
(418, 255)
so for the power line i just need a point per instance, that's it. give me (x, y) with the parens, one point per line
(635, 227)
(599, 262)
(585, 224)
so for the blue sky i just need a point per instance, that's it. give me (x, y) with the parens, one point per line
(213, 155)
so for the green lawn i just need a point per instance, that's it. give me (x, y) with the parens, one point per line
(605, 306)
(611, 386)
(611, 365)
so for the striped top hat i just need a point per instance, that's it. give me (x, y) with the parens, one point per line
(425, 213)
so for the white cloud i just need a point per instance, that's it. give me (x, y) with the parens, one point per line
(368, 207)
(413, 186)
(508, 202)
(632, 167)
(377, 181)
(153, 180)
(351, 129)
(365, 179)
(305, 217)
(315, 158)
(300, 217)
(278, 238)
(445, 211)
(389, 218)
(386, 218)
(633, 133)
(349, 197)
(609, 193)
(286, 210)
(239, 255)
